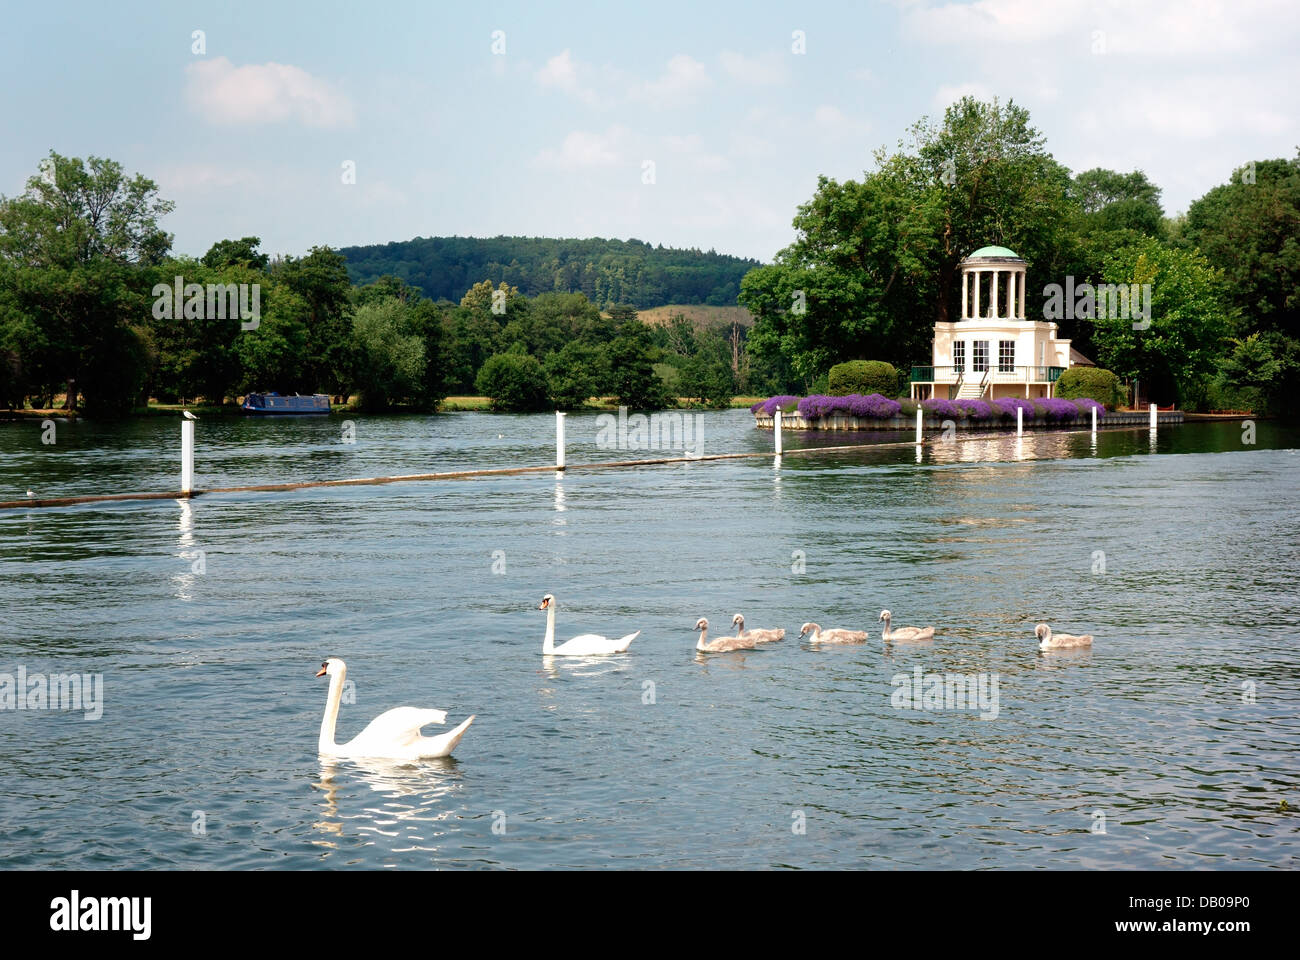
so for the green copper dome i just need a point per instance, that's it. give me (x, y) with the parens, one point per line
(994, 252)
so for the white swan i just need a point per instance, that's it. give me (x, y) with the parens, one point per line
(758, 636)
(831, 636)
(584, 645)
(1059, 641)
(904, 634)
(393, 735)
(721, 644)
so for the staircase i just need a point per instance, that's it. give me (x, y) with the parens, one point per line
(970, 390)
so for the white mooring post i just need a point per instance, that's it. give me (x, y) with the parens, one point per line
(1020, 421)
(187, 457)
(776, 427)
(1094, 419)
(919, 414)
(559, 439)
(1153, 416)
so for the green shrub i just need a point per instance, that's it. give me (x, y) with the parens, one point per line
(864, 377)
(907, 407)
(1092, 382)
(513, 381)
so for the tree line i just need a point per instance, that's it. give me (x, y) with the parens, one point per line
(875, 263)
(94, 308)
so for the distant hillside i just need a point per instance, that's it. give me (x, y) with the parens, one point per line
(702, 317)
(607, 271)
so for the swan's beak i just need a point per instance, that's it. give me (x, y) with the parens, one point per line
(321, 672)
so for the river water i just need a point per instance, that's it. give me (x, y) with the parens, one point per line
(1172, 743)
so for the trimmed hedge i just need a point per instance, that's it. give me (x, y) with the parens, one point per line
(863, 377)
(1091, 382)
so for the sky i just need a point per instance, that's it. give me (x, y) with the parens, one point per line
(684, 124)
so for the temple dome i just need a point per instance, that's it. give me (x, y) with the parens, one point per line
(1000, 253)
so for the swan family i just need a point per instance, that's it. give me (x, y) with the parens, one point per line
(397, 734)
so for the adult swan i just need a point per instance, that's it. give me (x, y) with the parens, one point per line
(584, 645)
(393, 735)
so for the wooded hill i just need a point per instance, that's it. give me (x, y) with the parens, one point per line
(607, 271)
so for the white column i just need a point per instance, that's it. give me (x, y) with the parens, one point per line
(1094, 419)
(1012, 280)
(976, 275)
(776, 426)
(919, 414)
(559, 439)
(965, 282)
(1020, 421)
(993, 296)
(1153, 416)
(1023, 277)
(187, 456)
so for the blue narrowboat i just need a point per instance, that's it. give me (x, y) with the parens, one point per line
(273, 403)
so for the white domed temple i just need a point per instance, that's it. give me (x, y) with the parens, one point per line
(993, 351)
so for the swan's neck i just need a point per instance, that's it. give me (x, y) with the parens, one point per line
(548, 644)
(884, 634)
(703, 641)
(327, 744)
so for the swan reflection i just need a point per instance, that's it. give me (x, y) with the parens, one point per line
(412, 805)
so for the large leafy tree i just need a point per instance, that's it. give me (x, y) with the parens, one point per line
(1178, 347)
(73, 245)
(321, 280)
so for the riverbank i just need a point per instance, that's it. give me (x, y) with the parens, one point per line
(453, 404)
(792, 420)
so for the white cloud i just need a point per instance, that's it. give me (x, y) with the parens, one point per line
(561, 73)
(1161, 28)
(682, 79)
(265, 93)
(765, 70)
(583, 149)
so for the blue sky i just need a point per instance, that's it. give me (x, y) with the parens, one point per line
(551, 137)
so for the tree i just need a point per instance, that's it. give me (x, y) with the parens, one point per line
(513, 381)
(1180, 345)
(236, 253)
(574, 374)
(73, 245)
(390, 359)
(321, 279)
(1250, 229)
(630, 359)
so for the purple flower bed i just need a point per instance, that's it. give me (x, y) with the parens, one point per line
(770, 405)
(939, 407)
(1058, 410)
(854, 405)
(975, 409)
(1008, 405)
(1086, 404)
(873, 405)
